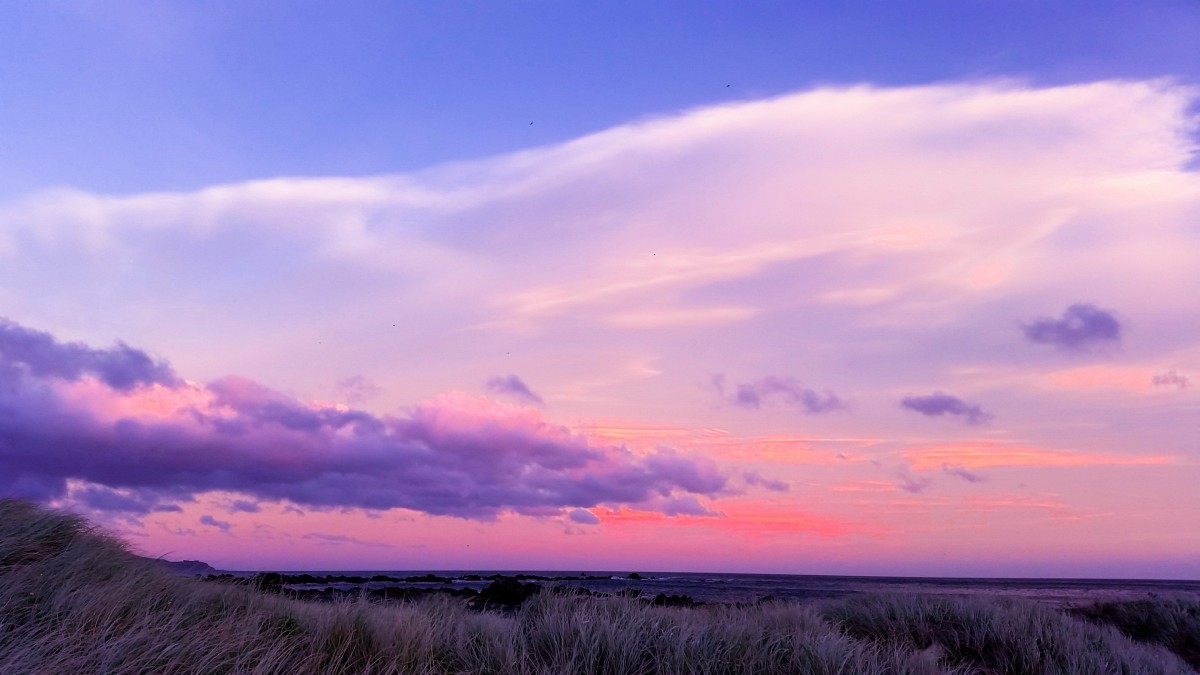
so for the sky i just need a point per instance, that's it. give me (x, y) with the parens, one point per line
(812, 288)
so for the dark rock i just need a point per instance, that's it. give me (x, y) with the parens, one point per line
(303, 579)
(189, 568)
(506, 592)
(570, 590)
(428, 578)
(268, 581)
(664, 600)
(634, 575)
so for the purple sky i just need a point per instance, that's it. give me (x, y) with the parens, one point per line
(402, 288)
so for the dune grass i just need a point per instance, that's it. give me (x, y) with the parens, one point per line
(74, 600)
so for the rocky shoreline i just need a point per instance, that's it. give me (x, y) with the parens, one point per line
(503, 592)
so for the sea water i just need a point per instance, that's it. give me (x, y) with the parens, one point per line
(741, 588)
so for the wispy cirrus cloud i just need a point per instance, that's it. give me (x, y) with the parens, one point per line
(157, 438)
(938, 404)
(1081, 326)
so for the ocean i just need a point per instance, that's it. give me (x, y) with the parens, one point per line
(734, 588)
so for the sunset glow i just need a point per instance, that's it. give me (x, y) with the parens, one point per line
(402, 290)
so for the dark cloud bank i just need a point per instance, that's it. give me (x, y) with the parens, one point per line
(460, 458)
(1081, 326)
(938, 404)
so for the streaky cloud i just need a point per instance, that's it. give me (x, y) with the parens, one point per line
(1080, 327)
(963, 473)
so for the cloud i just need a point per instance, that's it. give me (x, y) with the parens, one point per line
(512, 385)
(687, 505)
(358, 388)
(102, 498)
(38, 353)
(785, 389)
(639, 237)
(960, 472)
(243, 506)
(912, 484)
(583, 517)
(335, 539)
(756, 479)
(456, 454)
(984, 454)
(1170, 378)
(938, 404)
(213, 522)
(1081, 327)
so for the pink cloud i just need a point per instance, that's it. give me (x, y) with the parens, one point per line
(162, 441)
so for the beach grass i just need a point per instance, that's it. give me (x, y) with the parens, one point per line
(75, 600)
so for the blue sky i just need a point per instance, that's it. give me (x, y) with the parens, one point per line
(127, 96)
(844, 288)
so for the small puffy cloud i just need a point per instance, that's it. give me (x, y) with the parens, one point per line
(213, 522)
(244, 506)
(756, 479)
(1080, 327)
(583, 517)
(513, 386)
(786, 389)
(357, 388)
(938, 404)
(1170, 379)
